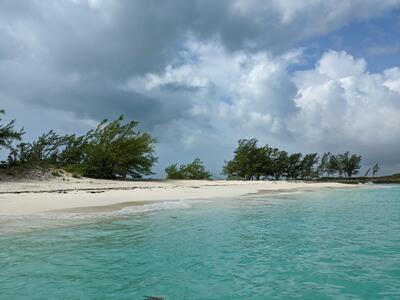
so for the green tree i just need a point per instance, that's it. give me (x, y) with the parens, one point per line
(246, 162)
(294, 166)
(193, 170)
(73, 152)
(350, 164)
(115, 149)
(44, 151)
(323, 166)
(8, 134)
(307, 170)
(333, 165)
(281, 164)
(173, 172)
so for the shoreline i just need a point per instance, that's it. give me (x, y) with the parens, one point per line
(91, 195)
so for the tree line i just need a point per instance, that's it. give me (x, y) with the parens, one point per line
(116, 149)
(113, 149)
(253, 162)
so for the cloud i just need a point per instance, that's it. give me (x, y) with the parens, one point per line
(342, 105)
(236, 90)
(335, 106)
(199, 74)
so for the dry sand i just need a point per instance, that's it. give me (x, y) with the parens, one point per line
(90, 195)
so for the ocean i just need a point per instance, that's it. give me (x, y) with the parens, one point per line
(325, 244)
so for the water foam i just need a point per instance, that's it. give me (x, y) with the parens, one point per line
(126, 211)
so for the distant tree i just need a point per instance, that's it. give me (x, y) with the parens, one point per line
(367, 172)
(173, 172)
(281, 163)
(8, 134)
(349, 164)
(307, 170)
(251, 161)
(333, 165)
(375, 169)
(294, 166)
(246, 161)
(194, 170)
(323, 166)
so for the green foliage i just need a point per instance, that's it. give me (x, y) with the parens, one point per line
(323, 166)
(252, 162)
(194, 170)
(113, 149)
(294, 166)
(8, 134)
(334, 165)
(248, 161)
(116, 149)
(350, 164)
(307, 170)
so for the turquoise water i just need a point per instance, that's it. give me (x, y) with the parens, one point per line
(336, 244)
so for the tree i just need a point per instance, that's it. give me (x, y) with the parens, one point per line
(73, 151)
(349, 164)
(333, 165)
(47, 148)
(246, 162)
(193, 170)
(375, 169)
(294, 166)
(281, 163)
(367, 172)
(8, 134)
(173, 172)
(323, 166)
(115, 149)
(307, 170)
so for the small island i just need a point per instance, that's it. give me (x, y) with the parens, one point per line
(108, 168)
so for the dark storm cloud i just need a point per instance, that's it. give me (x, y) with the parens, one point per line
(103, 43)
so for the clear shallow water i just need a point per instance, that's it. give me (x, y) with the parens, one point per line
(316, 245)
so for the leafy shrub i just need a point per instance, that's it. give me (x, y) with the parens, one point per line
(194, 170)
(113, 149)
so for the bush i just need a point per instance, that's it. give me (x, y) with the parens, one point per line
(113, 149)
(194, 170)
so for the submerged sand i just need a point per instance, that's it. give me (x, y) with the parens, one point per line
(89, 195)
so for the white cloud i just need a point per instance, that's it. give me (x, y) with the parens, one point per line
(341, 103)
(239, 90)
(336, 105)
(340, 64)
(392, 79)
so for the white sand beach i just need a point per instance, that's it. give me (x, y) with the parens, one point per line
(91, 195)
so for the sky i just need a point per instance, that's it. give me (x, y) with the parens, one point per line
(305, 76)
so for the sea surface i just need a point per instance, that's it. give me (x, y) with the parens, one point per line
(329, 244)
